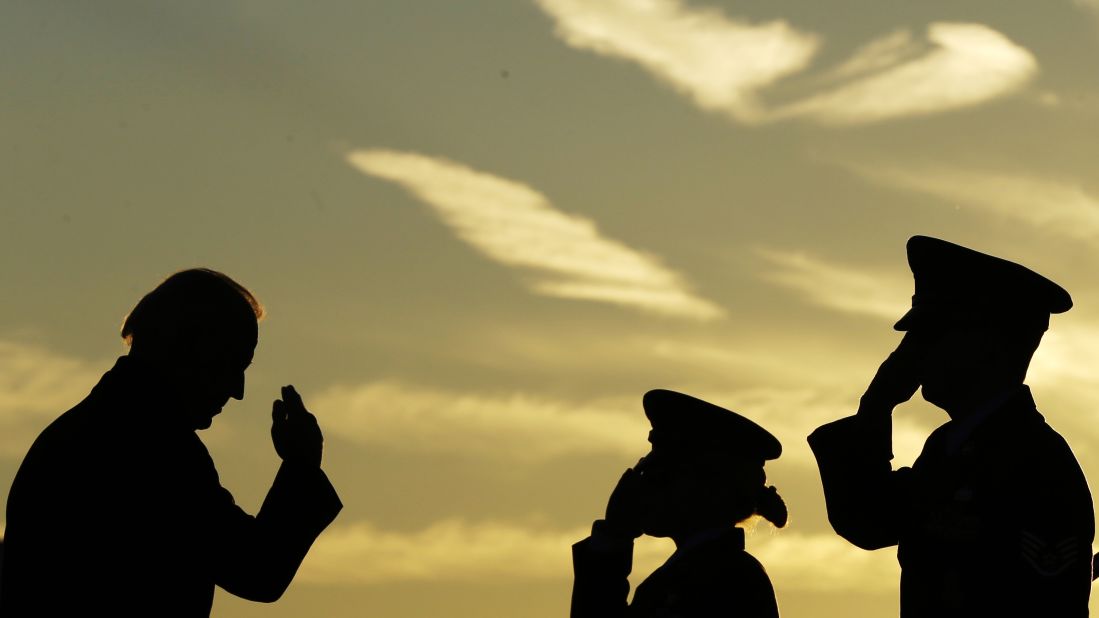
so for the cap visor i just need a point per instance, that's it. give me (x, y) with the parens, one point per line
(907, 320)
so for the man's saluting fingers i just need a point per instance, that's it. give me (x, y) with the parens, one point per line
(294, 430)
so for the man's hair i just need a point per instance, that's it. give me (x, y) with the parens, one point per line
(187, 301)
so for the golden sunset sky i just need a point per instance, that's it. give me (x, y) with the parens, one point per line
(483, 229)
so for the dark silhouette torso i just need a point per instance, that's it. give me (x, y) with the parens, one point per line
(117, 510)
(717, 578)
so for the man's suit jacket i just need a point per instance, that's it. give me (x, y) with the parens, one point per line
(117, 510)
(991, 520)
(716, 578)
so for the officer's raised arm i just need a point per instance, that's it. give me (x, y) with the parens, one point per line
(895, 382)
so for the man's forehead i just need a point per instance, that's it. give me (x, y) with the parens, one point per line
(238, 346)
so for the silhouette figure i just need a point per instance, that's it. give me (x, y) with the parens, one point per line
(117, 509)
(703, 475)
(994, 518)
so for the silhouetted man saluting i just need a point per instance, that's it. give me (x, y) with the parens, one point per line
(994, 518)
(117, 509)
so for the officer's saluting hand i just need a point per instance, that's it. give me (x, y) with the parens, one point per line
(624, 507)
(896, 380)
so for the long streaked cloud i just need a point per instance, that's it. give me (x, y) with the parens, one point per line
(459, 551)
(450, 550)
(841, 288)
(964, 65)
(515, 426)
(720, 63)
(1056, 206)
(724, 64)
(515, 225)
(36, 385)
(528, 429)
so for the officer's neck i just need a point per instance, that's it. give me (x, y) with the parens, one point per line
(979, 399)
(687, 539)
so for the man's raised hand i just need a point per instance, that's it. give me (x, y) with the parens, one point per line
(294, 430)
(896, 381)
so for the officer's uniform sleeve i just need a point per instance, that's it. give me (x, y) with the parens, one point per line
(862, 492)
(601, 568)
(256, 557)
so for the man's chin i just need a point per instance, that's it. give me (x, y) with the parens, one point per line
(204, 422)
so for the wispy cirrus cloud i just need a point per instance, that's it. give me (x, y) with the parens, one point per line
(720, 63)
(959, 65)
(1056, 206)
(37, 385)
(524, 428)
(724, 64)
(511, 426)
(517, 226)
(878, 55)
(457, 550)
(842, 288)
(451, 550)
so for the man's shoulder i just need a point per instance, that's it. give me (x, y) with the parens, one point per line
(105, 432)
(67, 435)
(1025, 425)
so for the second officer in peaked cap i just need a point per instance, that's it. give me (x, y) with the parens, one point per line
(702, 476)
(995, 516)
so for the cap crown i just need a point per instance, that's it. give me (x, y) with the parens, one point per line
(683, 422)
(952, 280)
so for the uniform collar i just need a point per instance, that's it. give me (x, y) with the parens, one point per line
(730, 538)
(1015, 398)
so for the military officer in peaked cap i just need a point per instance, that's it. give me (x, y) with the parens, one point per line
(703, 475)
(994, 518)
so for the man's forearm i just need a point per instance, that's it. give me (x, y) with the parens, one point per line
(601, 568)
(860, 488)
